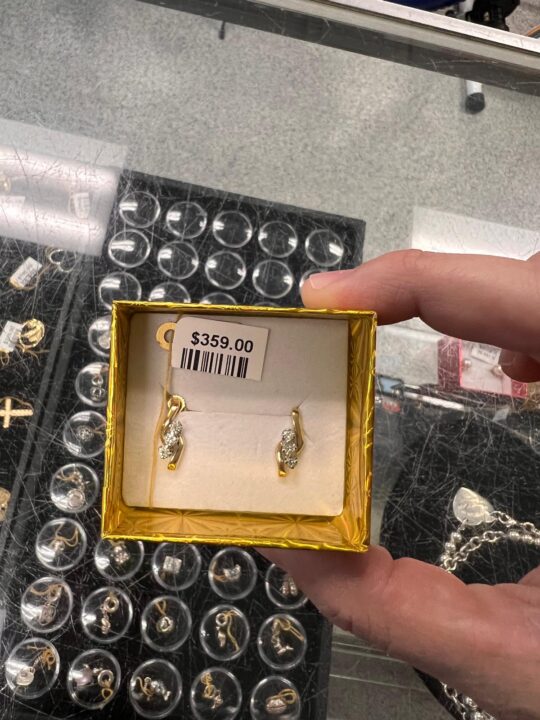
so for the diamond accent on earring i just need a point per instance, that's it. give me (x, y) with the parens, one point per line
(58, 547)
(158, 688)
(84, 433)
(120, 554)
(232, 574)
(172, 565)
(289, 448)
(170, 439)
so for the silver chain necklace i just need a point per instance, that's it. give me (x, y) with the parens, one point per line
(479, 525)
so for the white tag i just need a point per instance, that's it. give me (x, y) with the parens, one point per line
(25, 275)
(79, 204)
(9, 337)
(219, 348)
(485, 353)
(14, 202)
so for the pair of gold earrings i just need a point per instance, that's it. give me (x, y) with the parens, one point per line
(287, 452)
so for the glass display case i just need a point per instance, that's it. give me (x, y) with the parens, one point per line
(222, 151)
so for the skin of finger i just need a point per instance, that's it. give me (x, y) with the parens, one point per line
(519, 366)
(475, 297)
(382, 289)
(422, 615)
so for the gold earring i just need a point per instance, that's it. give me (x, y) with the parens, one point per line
(277, 704)
(211, 692)
(171, 432)
(290, 445)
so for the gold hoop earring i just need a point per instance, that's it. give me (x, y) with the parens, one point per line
(290, 446)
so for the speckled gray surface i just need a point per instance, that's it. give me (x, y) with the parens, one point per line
(264, 115)
(525, 17)
(283, 120)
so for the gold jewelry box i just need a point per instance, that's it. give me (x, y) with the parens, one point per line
(227, 488)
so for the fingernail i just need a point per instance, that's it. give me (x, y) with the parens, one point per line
(322, 280)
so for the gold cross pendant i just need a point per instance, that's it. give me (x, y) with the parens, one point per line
(13, 409)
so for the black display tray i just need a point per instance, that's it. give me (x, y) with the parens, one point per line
(67, 303)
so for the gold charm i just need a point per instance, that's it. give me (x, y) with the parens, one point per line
(153, 688)
(229, 574)
(224, 629)
(32, 333)
(211, 692)
(165, 335)
(102, 677)
(75, 496)
(5, 496)
(51, 595)
(171, 432)
(30, 271)
(20, 336)
(277, 704)
(59, 542)
(108, 607)
(14, 408)
(280, 627)
(165, 623)
(290, 445)
(105, 680)
(45, 658)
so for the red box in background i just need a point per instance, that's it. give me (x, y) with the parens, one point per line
(465, 365)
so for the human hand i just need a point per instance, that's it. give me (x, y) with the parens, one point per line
(483, 640)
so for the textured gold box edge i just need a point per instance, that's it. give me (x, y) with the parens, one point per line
(347, 532)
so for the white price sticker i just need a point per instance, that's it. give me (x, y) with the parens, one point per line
(9, 337)
(485, 353)
(219, 348)
(25, 275)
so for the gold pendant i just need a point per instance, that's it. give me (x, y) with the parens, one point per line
(14, 409)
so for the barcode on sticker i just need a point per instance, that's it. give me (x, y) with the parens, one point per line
(214, 363)
(219, 347)
(25, 275)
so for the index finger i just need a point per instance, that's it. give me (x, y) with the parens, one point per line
(475, 297)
